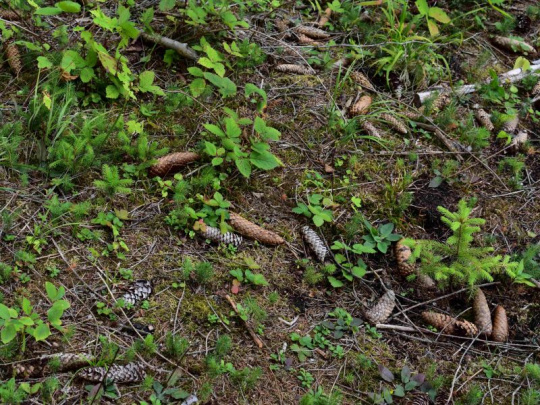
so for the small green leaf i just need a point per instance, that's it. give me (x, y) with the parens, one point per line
(8, 333)
(4, 312)
(439, 15)
(334, 282)
(43, 62)
(166, 5)
(51, 290)
(69, 6)
(42, 332)
(197, 87)
(87, 74)
(112, 92)
(48, 11)
(244, 167)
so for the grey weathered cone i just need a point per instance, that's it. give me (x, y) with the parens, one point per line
(484, 118)
(500, 325)
(315, 243)
(170, 163)
(253, 231)
(380, 312)
(395, 123)
(482, 314)
(130, 373)
(444, 323)
(51, 363)
(299, 70)
(138, 291)
(403, 253)
(511, 125)
(215, 235)
(371, 129)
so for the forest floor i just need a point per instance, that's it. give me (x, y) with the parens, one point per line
(295, 122)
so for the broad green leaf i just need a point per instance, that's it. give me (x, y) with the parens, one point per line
(386, 229)
(48, 11)
(433, 29)
(4, 312)
(26, 306)
(69, 6)
(522, 63)
(439, 15)
(210, 148)
(358, 272)
(231, 128)
(112, 91)
(334, 282)
(214, 129)
(87, 74)
(51, 290)
(42, 332)
(146, 79)
(195, 71)
(8, 333)
(197, 87)
(422, 6)
(26, 321)
(264, 161)
(226, 87)
(43, 62)
(244, 167)
(166, 5)
(318, 221)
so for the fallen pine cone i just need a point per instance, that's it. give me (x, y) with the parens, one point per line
(362, 80)
(172, 162)
(305, 40)
(281, 25)
(361, 106)
(10, 15)
(419, 398)
(371, 129)
(130, 373)
(300, 70)
(514, 45)
(315, 243)
(249, 229)
(483, 118)
(510, 125)
(518, 141)
(444, 323)
(325, 17)
(215, 235)
(482, 314)
(13, 57)
(440, 102)
(413, 115)
(312, 32)
(403, 253)
(467, 328)
(536, 89)
(138, 291)
(500, 325)
(53, 363)
(426, 282)
(380, 312)
(395, 123)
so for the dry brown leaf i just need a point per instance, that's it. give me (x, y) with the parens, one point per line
(500, 325)
(172, 162)
(249, 229)
(380, 312)
(482, 314)
(361, 106)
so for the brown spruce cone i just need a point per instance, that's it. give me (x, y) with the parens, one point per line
(315, 243)
(362, 80)
(500, 325)
(130, 373)
(305, 40)
(395, 123)
(361, 106)
(426, 282)
(53, 363)
(483, 118)
(413, 115)
(418, 398)
(466, 328)
(325, 17)
(440, 102)
(215, 235)
(249, 229)
(312, 32)
(444, 323)
(514, 45)
(172, 162)
(382, 309)
(10, 15)
(138, 291)
(299, 70)
(371, 129)
(510, 125)
(13, 57)
(281, 25)
(482, 314)
(403, 253)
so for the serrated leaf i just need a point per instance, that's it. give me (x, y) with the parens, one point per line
(112, 92)
(264, 160)
(197, 87)
(87, 74)
(166, 5)
(51, 290)
(4, 312)
(8, 333)
(244, 167)
(42, 332)
(225, 85)
(43, 62)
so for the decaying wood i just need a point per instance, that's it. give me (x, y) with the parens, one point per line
(514, 45)
(180, 47)
(299, 70)
(254, 336)
(511, 76)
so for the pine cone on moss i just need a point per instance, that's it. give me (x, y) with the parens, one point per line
(249, 229)
(138, 291)
(299, 70)
(500, 325)
(403, 253)
(444, 323)
(315, 243)
(10, 15)
(361, 106)
(172, 162)
(484, 118)
(362, 80)
(536, 89)
(395, 123)
(130, 373)
(418, 398)
(215, 235)
(312, 32)
(13, 57)
(371, 129)
(440, 102)
(382, 309)
(482, 314)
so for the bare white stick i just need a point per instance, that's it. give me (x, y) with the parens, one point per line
(180, 47)
(512, 76)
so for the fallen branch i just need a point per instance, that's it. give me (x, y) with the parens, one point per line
(255, 338)
(451, 145)
(512, 76)
(180, 47)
